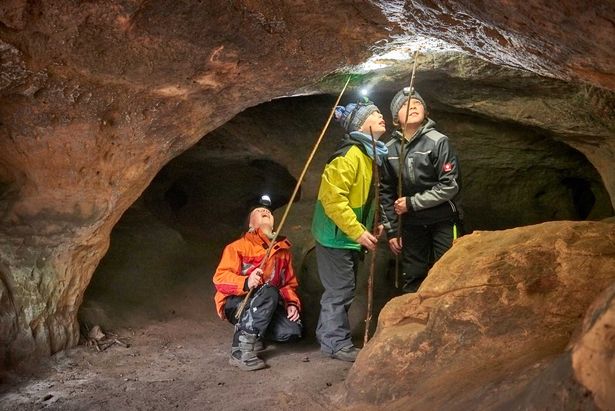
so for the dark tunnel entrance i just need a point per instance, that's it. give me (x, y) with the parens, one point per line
(582, 195)
(196, 198)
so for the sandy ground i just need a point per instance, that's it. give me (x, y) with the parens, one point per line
(177, 363)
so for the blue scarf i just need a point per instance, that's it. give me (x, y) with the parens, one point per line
(366, 141)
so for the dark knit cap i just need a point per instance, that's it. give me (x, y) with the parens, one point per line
(401, 98)
(353, 115)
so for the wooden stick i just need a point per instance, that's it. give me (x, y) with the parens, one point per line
(372, 267)
(107, 344)
(119, 342)
(402, 165)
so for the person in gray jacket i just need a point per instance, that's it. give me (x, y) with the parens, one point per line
(431, 184)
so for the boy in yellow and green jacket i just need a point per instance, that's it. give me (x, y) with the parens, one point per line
(342, 220)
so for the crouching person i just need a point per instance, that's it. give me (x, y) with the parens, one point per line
(272, 312)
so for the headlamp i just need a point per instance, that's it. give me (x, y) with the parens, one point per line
(265, 200)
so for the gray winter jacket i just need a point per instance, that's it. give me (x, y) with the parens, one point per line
(431, 179)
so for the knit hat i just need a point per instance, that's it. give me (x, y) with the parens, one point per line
(353, 115)
(401, 98)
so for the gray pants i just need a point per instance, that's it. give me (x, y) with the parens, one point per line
(337, 269)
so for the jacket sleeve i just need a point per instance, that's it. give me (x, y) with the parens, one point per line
(447, 168)
(289, 290)
(388, 195)
(337, 179)
(227, 278)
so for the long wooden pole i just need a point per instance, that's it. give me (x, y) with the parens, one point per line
(402, 164)
(242, 306)
(372, 266)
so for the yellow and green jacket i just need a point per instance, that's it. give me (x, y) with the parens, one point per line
(344, 208)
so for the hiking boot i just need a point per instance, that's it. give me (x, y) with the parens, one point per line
(346, 354)
(243, 355)
(258, 346)
(246, 361)
(248, 342)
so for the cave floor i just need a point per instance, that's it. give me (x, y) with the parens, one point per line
(175, 363)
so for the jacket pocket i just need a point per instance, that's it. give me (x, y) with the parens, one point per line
(410, 166)
(423, 172)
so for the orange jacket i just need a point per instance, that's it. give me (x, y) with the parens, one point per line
(242, 256)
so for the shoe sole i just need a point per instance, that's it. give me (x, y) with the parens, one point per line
(236, 363)
(333, 356)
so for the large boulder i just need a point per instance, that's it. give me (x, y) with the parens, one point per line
(593, 354)
(491, 325)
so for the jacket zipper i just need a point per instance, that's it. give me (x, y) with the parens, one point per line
(411, 170)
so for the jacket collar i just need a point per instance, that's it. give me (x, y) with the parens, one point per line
(258, 237)
(417, 134)
(427, 125)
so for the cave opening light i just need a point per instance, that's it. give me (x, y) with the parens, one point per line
(401, 48)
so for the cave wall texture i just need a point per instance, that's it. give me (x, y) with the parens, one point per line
(96, 97)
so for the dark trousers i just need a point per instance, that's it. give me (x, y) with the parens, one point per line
(337, 269)
(423, 245)
(264, 315)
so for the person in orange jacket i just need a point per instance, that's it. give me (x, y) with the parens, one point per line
(273, 310)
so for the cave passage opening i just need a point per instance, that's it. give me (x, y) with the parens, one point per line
(165, 249)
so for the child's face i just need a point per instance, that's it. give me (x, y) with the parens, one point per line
(376, 122)
(261, 217)
(416, 115)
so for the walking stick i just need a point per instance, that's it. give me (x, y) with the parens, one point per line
(242, 306)
(372, 266)
(402, 161)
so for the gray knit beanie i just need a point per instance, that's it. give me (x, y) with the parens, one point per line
(353, 115)
(401, 98)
